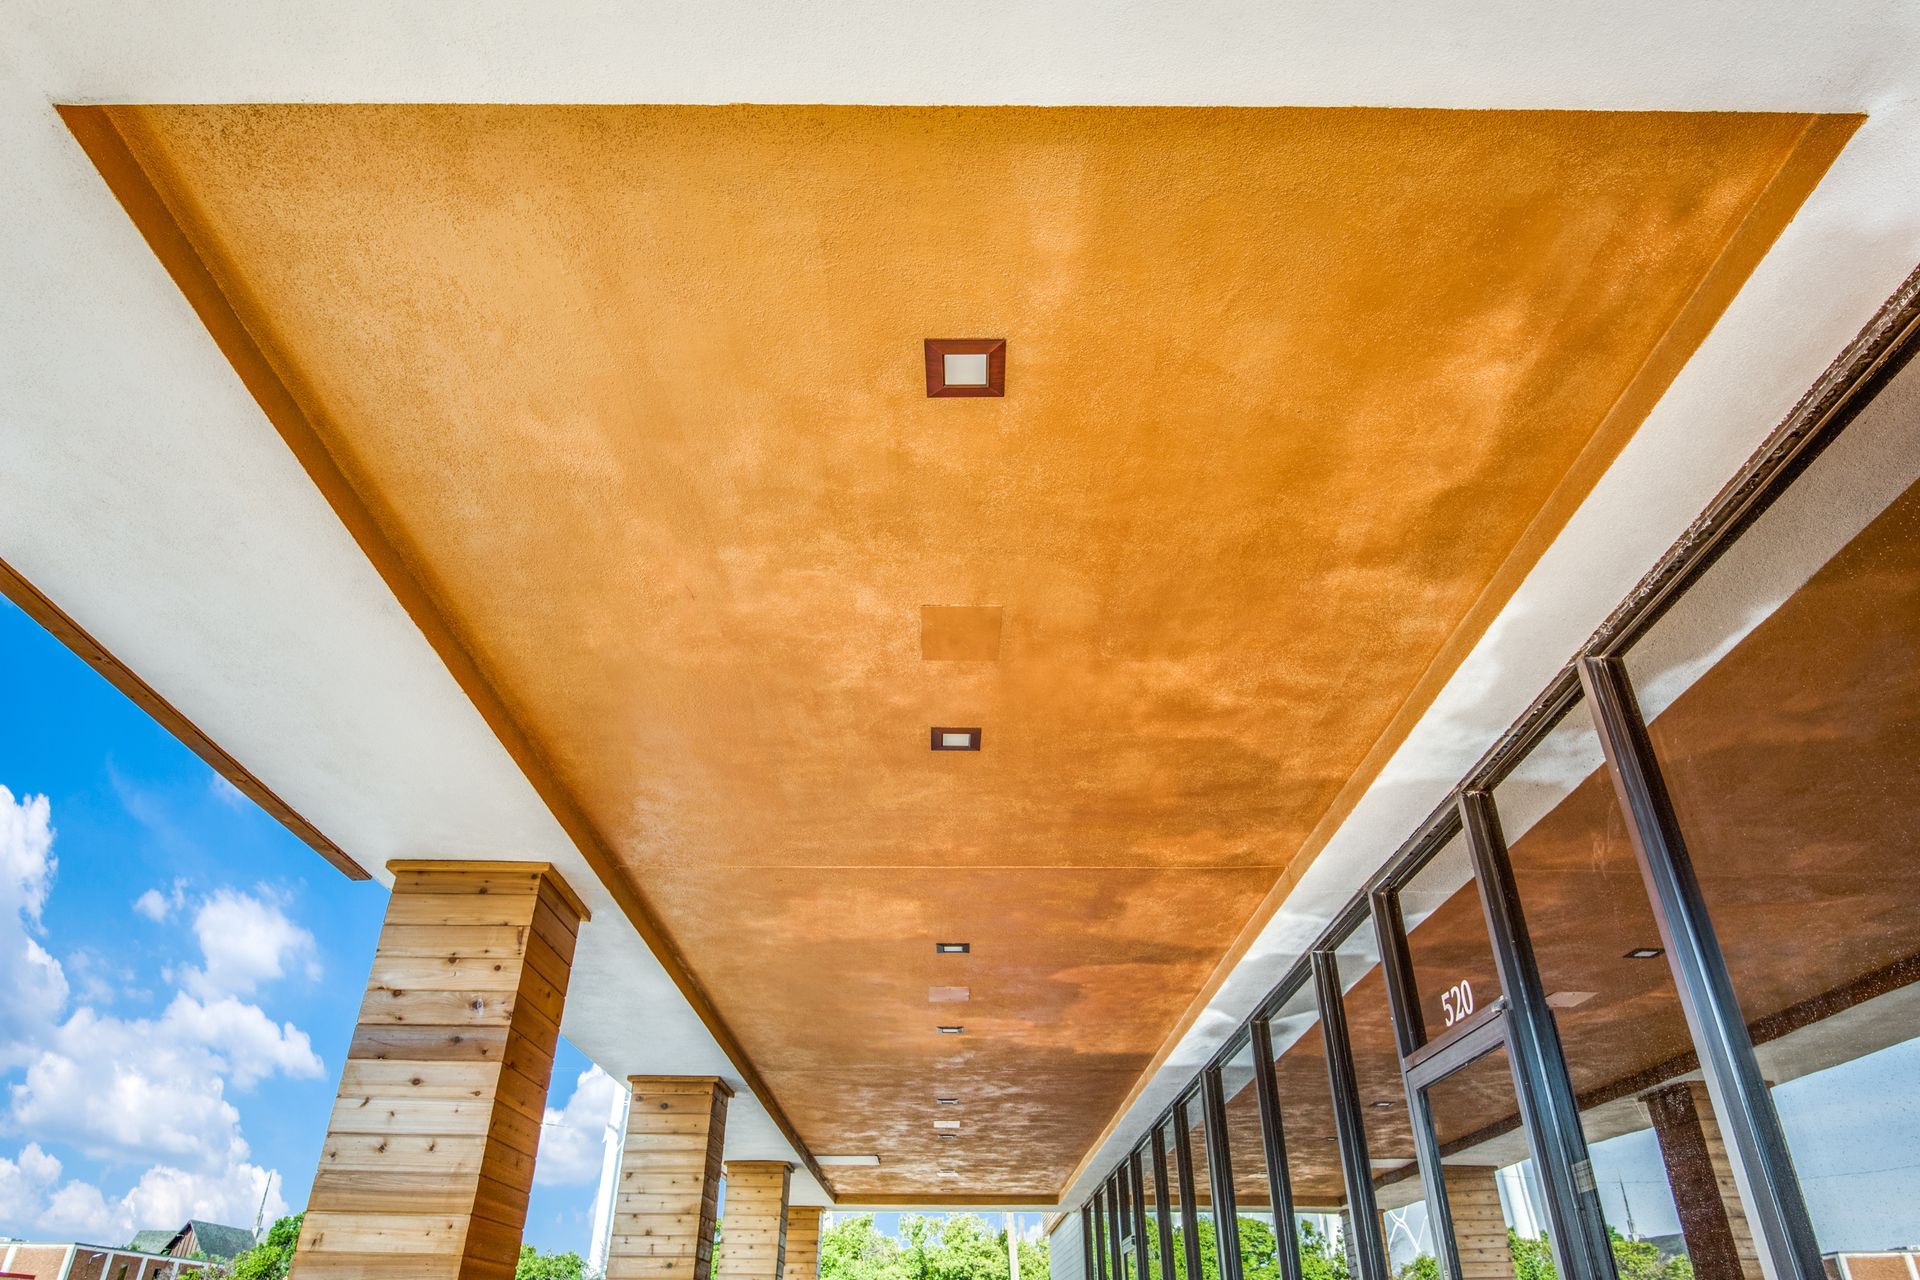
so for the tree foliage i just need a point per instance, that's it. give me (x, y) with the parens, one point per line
(534, 1265)
(961, 1246)
(272, 1258)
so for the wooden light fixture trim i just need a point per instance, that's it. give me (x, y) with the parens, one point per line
(994, 349)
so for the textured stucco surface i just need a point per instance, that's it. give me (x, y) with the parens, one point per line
(635, 390)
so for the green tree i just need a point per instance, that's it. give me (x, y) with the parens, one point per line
(1259, 1251)
(273, 1257)
(1633, 1259)
(1424, 1267)
(960, 1246)
(534, 1265)
(1320, 1258)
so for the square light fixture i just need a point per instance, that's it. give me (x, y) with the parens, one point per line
(949, 739)
(950, 1030)
(947, 1100)
(946, 1124)
(966, 367)
(953, 948)
(1645, 953)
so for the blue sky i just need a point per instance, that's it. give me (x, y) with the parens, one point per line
(184, 977)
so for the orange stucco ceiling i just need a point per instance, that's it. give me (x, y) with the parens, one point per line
(634, 396)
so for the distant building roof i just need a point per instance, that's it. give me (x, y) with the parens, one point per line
(210, 1239)
(221, 1243)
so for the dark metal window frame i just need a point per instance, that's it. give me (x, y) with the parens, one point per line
(1757, 1151)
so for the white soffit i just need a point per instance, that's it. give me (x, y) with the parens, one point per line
(142, 490)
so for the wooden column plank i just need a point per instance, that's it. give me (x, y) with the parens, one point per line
(430, 1148)
(753, 1246)
(1479, 1224)
(803, 1243)
(668, 1194)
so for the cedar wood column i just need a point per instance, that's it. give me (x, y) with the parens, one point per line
(663, 1213)
(1711, 1218)
(753, 1242)
(803, 1243)
(429, 1153)
(1479, 1227)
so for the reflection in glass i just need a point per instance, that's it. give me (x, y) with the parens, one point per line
(1613, 1000)
(1453, 970)
(1488, 1172)
(1783, 702)
(1202, 1184)
(1313, 1152)
(1383, 1099)
(1246, 1144)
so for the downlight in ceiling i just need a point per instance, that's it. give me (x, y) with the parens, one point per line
(952, 739)
(966, 367)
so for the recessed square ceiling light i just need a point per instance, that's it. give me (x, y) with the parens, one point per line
(950, 1031)
(947, 739)
(1569, 999)
(953, 948)
(946, 1124)
(966, 367)
(1645, 953)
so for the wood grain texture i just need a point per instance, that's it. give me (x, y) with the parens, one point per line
(430, 1148)
(755, 1244)
(1479, 1226)
(669, 1190)
(1712, 1219)
(803, 1243)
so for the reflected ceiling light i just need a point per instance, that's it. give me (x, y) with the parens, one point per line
(1380, 1105)
(966, 367)
(1569, 999)
(946, 1101)
(946, 1124)
(948, 995)
(953, 948)
(950, 1031)
(952, 739)
(946, 1135)
(868, 1161)
(1645, 953)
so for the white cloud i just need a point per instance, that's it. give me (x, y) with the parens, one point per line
(150, 1091)
(573, 1138)
(159, 907)
(226, 793)
(32, 1197)
(246, 940)
(36, 988)
(26, 854)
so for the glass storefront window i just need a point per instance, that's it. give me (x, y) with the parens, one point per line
(1614, 1003)
(1487, 1170)
(1782, 697)
(1202, 1189)
(1306, 1124)
(1383, 1102)
(1453, 969)
(1253, 1198)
